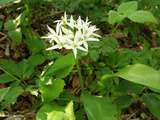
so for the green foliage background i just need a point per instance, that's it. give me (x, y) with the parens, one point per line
(119, 71)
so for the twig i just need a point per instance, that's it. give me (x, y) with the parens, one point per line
(131, 115)
(4, 36)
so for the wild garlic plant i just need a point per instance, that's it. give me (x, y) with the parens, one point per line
(72, 34)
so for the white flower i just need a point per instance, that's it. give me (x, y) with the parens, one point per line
(72, 34)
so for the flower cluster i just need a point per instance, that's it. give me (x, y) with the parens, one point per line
(72, 34)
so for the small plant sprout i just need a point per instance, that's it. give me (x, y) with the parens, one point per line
(72, 34)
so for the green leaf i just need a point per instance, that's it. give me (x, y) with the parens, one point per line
(69, 112)
(62, 66)
(36, 59)
(141, 74)
(6, 1)
(34, 43)
(21, 70)
(51, 89)
(3, 92)
(127, 8)
(15, 35)
(26, 69)
(27, 66)
(55, 112)
(99, 108)
(114, 17)
(10, 25)
(10, 96)
(94, 55)
(153, 103)
(142, 17)
(123, 101)
(9, 66)
(110, 45)
(5, 78)
(126, 87)
(50, 112)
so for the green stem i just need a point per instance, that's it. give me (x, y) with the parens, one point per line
(80, 75)
(114, 29)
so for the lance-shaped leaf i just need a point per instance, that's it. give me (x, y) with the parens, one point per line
(141, 74)
(99, 108)
(61, 67)
(52, 89)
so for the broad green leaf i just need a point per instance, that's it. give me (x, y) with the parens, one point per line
(141, 74)
(55, 112)
(110, 45)
(52, 89)
(9, 66)
(50, 112)
(128, 8)
(157, 95)
(10, 25)
(15, 35)
(34, 43)
(69, 112)
(94, 55)
(99, 108)
(26, 69)
(11, 96)
(27, 66)
(36, 59)
(3, 92)
(152, 103)
(6, 1)
(142, 17)
(5, 78)
(127, 87)
(123, 101)
(62, 66)
(114, 17)
(21, 70)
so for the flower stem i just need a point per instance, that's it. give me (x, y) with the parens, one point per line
(80, 75)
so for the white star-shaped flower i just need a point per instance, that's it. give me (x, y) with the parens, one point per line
(72, 34)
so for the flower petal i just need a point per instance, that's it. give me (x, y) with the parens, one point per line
(54, 47)
(82, 49)
(51, 30)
